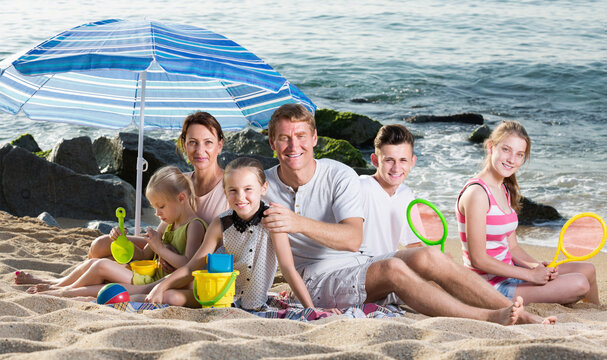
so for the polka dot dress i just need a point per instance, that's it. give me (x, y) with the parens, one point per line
(254, 258)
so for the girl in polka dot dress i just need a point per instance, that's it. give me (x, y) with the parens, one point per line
(256, 251)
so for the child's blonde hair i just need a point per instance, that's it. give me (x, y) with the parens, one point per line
(243, 162)
(170, 181)
(503, 130)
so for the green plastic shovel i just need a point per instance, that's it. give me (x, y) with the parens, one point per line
(122, 248)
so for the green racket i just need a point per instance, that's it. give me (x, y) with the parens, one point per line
(427, 223)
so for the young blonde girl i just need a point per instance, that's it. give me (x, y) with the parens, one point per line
(171, 194)
(486, 213)
(239, 230)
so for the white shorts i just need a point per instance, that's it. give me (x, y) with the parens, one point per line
(340, 282)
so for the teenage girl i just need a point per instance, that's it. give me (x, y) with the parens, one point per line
(171, 194)
(239, 230)
(486, 214)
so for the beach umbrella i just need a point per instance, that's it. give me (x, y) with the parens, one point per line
(116, 73)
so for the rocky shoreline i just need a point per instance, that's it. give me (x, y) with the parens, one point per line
(84, 179)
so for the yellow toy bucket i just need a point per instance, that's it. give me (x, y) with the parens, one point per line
(214, 289)
(144, 267)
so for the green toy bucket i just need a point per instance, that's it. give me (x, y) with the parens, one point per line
(214, 289)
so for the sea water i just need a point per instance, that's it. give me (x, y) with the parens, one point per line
(543, 63)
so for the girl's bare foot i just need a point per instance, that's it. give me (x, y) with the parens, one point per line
(22, 277)
(528, 318)
(38, 288)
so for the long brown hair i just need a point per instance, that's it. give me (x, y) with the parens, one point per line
(503, 130)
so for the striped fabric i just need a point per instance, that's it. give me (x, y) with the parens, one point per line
(90, 75)
(499, 226)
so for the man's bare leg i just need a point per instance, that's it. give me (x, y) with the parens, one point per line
(426, 298)
(430, 264)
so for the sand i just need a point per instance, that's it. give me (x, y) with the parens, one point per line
(40, 326)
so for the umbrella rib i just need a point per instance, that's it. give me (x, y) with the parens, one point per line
(35, 91)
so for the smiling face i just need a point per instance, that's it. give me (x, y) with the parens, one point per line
(294, 145)
(244, 191)
(393, 163)
(507, 156)
(202, 146)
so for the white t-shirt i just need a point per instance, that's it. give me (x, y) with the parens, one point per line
(332, 195)
(385, 217)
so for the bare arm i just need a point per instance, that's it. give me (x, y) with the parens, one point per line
(474, 205)
(519, 256)
(182, 277)
(194, 236)
(287, 267)
(345, 235)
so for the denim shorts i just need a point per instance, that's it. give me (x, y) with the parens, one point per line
(508, 287)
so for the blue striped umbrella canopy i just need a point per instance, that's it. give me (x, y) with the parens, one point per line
(111, 73)
(92, 75)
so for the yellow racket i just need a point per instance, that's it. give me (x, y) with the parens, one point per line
(582, 237)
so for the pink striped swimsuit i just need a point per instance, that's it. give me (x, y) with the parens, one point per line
(499, 226)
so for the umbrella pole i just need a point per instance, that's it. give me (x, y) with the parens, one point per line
(141, 163)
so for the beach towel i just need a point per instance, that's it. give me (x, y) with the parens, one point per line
(282, 306)
(136, 307)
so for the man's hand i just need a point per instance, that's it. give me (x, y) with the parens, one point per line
(279, 219)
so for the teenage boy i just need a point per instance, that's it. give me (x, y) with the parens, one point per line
(385, 197)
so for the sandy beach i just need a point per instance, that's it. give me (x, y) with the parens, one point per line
(40, 326)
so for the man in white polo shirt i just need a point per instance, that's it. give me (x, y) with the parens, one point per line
(317, 203)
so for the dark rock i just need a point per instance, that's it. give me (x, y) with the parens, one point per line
(365, 170)
(359, 130)
(119, 156)
(361, 100)
(30, 185)
(479, 134)
(48, 219)
(247, 142)
(466, 118)
(225, 157)
(76, 154)
(339, 150)
(532, 213)
(27, 142)
(105, 227)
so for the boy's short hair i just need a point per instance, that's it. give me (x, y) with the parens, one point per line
(394, 134)
(293, 113)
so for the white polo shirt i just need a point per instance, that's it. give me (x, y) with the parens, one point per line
(332, 195)
(385, 217)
